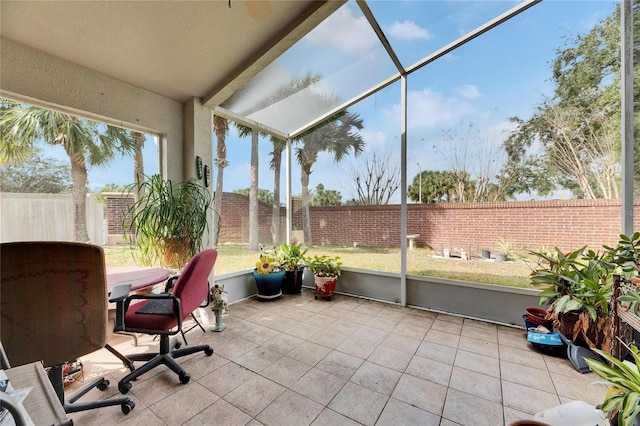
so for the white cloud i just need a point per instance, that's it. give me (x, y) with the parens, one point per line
(407, 30)
(343, 31)
(502, 129)
(468, 91)
(427, 108)
(374, 139)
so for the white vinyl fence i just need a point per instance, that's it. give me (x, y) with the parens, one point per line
(46, 217)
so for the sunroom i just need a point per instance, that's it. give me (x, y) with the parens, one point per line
(166, 68)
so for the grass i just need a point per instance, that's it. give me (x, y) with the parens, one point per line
(420, 261)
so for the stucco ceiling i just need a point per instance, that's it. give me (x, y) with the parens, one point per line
(178, 49)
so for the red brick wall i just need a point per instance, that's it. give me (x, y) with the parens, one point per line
(235, 220)
(115, 206)
(567, 224)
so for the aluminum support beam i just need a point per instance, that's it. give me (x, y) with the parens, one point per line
(626, 51)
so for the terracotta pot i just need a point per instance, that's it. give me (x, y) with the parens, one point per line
(176, 252)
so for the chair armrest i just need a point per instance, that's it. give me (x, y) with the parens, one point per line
(118, 296)
(177, 309)
(17, 410)
(170, 283)
(119, 293)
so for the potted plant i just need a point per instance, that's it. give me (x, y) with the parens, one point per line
(326, 270)
(292, 256)
(622, 401)
(505, 247)
(167, 221)
(626, 254)
(577, 288)
(269, 276)
(485, 253)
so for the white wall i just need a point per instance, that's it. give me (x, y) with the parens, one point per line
(46, 217)
(32, 76)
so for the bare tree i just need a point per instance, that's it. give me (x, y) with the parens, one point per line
(474, 160)
(456, 144)
(580, 144)
(375, 178)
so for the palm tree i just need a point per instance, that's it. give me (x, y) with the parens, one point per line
(220, 128)
(339, 137)
(276, 165)
(243, 132)
(284, 91)
(85, 142)
(138, 159)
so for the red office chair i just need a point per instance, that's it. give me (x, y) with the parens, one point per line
(163, 315)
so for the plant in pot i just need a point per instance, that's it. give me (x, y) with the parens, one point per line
(626, 255)
(269, 276)
(293, 260)
(326, 270)
(622, 401)
(577, 288)
(505, 249)
(167, 222)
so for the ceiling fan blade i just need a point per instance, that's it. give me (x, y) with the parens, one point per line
(258, 9)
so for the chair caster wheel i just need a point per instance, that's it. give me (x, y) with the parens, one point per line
(208, 351)
(124, 388)
(184, 378)
(103, 385)
(128, 407)
(177, 345)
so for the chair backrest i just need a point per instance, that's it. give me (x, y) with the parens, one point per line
(192, 285)
(53, 301)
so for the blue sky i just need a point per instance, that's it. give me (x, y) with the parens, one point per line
(500, 74)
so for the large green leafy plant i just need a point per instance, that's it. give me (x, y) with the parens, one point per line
(167, 222)
(623, 398)
(325, 266)
(578, 282)
(626, 255)
(293, 255)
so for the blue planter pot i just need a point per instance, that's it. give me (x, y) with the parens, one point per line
(269, 285)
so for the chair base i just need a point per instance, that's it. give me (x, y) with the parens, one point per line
(165, 357)
(72, 406)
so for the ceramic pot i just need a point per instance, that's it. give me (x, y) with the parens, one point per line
(292, 283)
(325, 286)
(269, 285)
(537, 316)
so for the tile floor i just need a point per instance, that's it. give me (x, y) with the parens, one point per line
(300, 361)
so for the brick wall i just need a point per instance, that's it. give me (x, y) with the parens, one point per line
(567, 224)
(116, 204)
(235, 220)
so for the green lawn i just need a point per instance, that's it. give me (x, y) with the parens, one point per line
(419, 262)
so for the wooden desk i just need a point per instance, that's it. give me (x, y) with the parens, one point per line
(139, 277)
